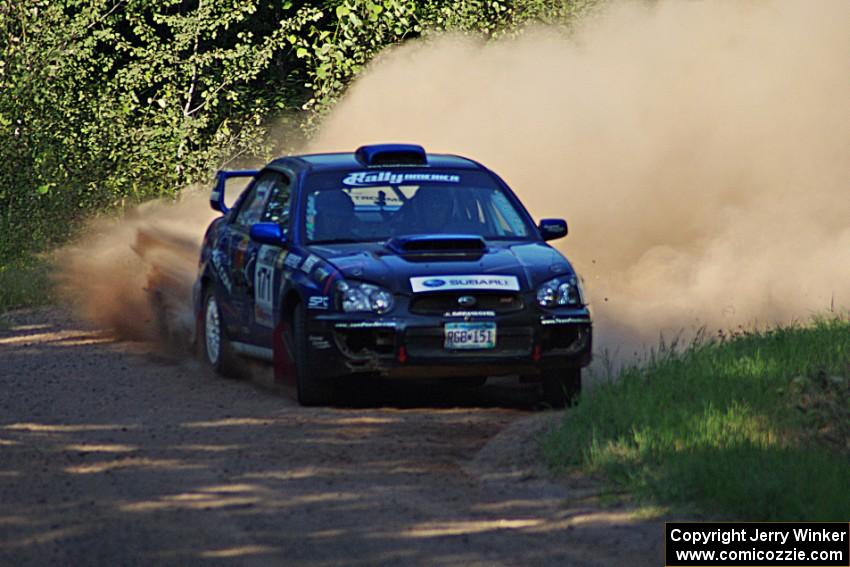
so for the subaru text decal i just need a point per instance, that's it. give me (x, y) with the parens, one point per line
(430, 283)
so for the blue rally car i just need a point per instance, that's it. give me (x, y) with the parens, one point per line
(392, 262)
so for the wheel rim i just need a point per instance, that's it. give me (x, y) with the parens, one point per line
(212, 331)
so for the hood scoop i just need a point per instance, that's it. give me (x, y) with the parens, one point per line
(442, 245)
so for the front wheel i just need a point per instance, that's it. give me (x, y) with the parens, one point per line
(216, 347)
(311, 389)
(561, 388)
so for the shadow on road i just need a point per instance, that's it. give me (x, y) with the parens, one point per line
(109, 456)
(362, 393)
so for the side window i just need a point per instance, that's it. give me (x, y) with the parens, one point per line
(277, 207)
(252, 209)
(508, 222)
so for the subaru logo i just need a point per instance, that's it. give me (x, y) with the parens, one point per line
(466, 300)
(434, 283)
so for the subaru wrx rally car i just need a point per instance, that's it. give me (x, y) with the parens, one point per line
(387, 261)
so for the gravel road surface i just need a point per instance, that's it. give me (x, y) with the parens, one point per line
(113, 454)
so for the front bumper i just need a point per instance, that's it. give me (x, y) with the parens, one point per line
(529, 342)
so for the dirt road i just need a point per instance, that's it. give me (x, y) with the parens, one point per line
(113, 455)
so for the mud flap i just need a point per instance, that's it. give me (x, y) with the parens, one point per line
(284, 366)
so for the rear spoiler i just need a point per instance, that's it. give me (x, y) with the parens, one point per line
(221, 177)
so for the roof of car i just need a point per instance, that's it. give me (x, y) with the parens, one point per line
(345, 161)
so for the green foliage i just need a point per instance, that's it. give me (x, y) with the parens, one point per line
(109, 102)
(752, 427)
(495, 18)
(25, 283)
(340, 43)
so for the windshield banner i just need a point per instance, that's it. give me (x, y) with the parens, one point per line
(361, 178)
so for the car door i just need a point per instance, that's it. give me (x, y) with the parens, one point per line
(238, 249)
(264, 266)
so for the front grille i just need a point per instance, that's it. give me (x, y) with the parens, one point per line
(439, 303)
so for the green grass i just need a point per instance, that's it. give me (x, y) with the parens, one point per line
(25, 283)
(750, 427)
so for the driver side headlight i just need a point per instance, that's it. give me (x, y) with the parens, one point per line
(356, 297)
(561, 292)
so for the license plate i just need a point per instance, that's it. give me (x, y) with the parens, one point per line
(470, 336)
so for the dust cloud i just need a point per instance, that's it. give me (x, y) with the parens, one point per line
(700, 151)
(134, 274)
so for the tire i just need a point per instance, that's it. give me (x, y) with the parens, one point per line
(215, 346)
(311, 389)
(561, 388)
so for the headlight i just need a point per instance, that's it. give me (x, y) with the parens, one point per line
(363, 297)
(560, 292)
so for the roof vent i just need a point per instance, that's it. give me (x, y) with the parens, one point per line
(391, 154)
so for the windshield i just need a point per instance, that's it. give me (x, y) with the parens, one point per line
(373, 206)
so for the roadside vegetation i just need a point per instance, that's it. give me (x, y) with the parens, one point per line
(25, 283)
(750, 426)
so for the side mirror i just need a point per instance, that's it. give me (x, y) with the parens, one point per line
(550, 229)
(267, 233)
(217, 195)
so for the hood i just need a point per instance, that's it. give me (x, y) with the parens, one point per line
(532, 263)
